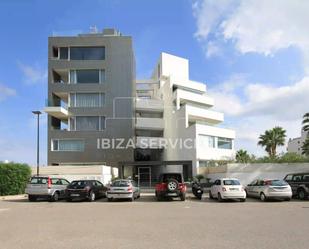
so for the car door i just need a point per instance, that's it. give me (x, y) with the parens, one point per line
(255, 188)
(295, 182)
(250, 188)
(100, 188)
(63, 187)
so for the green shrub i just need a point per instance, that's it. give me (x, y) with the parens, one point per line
(13, 178)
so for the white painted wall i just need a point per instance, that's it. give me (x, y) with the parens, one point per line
(295, 144)
(246, 173)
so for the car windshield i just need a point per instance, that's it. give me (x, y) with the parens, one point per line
(79, 183)
(120, 184)
(276, 183)
(231, 182)
(167, 177)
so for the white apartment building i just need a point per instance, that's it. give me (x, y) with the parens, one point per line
(295, 144)
(171, 107)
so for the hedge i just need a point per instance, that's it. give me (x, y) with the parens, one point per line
(13, 178)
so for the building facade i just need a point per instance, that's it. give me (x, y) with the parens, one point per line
(166, 121)
(91, 81)
(295, 144)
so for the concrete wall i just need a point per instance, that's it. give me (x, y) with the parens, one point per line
(94, 172)
(246, 173)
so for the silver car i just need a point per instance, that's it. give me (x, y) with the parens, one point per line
(123, 189)
(52, 188)
(269, 189)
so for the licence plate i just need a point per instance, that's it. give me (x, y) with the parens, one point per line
(233, 188)
(74, 195)
(171, 194)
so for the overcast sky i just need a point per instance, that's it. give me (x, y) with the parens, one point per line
(253, 56)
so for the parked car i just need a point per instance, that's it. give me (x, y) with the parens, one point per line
(227, 188)
(52, 188)
(269, 189)
(171, 185)
(85, 190)
(123, 189)
(299, 183)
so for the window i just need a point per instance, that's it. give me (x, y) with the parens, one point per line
(206, 141)
(87, 53)
(297, 178)
(305, 178)
(231, 182)
(224, 143)
(288, 177)
(87, 99)
(87, 123)
(84, 76)
(64, 53)
(67, 145)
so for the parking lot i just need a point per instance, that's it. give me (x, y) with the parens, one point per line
(146, 223)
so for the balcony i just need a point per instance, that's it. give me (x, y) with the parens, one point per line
(59, 111)
(151, 105)
(199, 114)
(149, 124)
(182, 96)
(150, 142)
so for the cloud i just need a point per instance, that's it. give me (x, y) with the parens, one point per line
(32, 74)
(252, 108)
(245, 99)
(6, 92)
(261, 26)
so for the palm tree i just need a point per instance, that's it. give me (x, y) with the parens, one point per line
(306, 122)
(271, 139)
(305, 147)
(242, 156)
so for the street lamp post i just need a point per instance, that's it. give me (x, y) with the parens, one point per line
(38, 143)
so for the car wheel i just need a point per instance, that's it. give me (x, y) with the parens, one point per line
(210, 195)
(263, 197)
(172, 185)
(91, 196)
(287, 199)
(220, 197)
(31, 198)
(54, 197)
(183, 197)
(242, 199)
(301, 194)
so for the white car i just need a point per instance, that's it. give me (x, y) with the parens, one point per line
(123, 189)
(269, 189)
(227, 188)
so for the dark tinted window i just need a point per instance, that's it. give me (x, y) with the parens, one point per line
(39, 180)
(87, 53)
(88, 76)
(121, 184)
(306, 178)
(288, 177)
(276, 183)
(177, 177)
(297, 178)
(231, 182)
(81, 184)
(64, 53)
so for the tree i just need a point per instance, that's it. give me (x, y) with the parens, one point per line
(242, 156)
(305, 147)
(271, 139)
(306, 122)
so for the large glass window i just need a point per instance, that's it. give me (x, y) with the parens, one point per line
(87, 99)
(206, 141)
(84, 76)
(224, 143)
(87, 53)
(67, 145)
(64, 54)
(87, 123)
